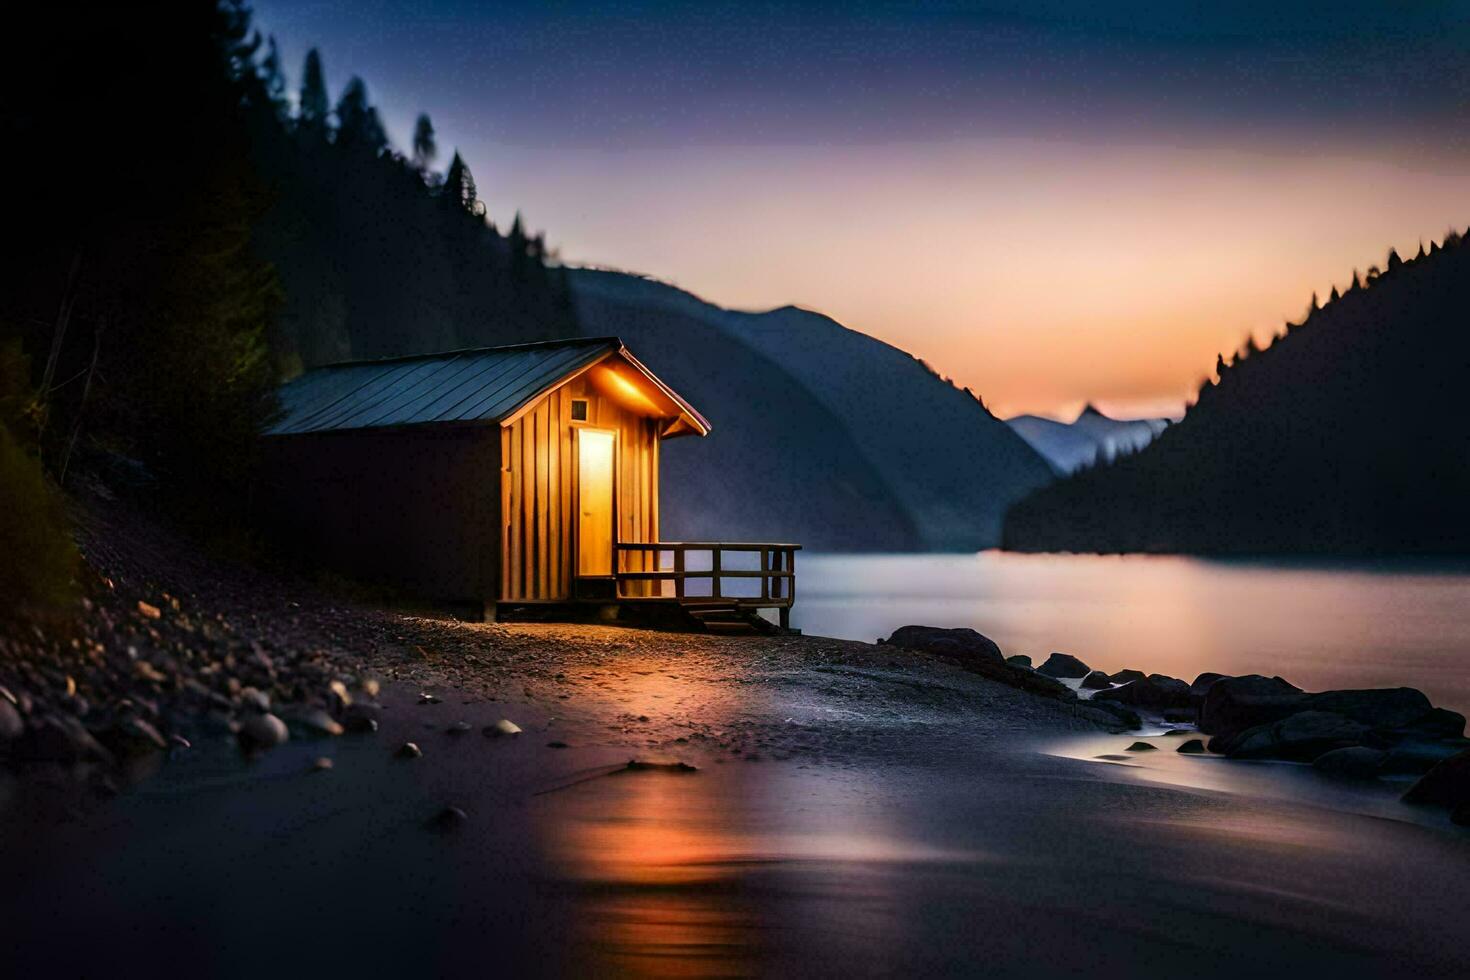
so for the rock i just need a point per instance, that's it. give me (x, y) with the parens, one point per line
(503, 727)
(315, 721)
(340, 698)
(60, 738)
(448, 818)
(132, 737)
(1122, 714)
(1438, 723)
(1142, 747)
(1300, 737)
(1202, 685)
(460, 728)
(149, 610)
(1178, 715)
(260, 732)
(637, 765)
(426, 698)
(963, 644)
(1233, 704)
(12, 725)
(321, 765)
(1416, 756)
(1127, 676)
(255, 700)
(1064, 665)
(408, 750)
(1156, 692)
(179, 743)
(361, 716)
(1194, 746)
(556, 745)
(370, 687)
(1096, 681)
(1447, 784)
(1353, 762)
(1382, 708)
(1019, 660)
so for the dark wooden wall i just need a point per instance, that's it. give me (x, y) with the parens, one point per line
(414, 508)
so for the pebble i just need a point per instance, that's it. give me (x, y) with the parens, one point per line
(12, 726)
(458, 728)
(255, 699)
(427, 698)
(321, 765)
(503, 727)
(1142, 747)
(317, 722)
(409, 750)
(262, 731)
(1192, 747)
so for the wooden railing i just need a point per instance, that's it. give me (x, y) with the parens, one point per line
(642, 572)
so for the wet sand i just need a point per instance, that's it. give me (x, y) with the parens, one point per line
(852, 813)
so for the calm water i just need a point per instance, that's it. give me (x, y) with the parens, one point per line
(1318, 626)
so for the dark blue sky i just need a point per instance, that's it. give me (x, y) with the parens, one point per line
(619, 74)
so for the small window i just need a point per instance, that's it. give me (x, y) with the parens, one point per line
(579, 409)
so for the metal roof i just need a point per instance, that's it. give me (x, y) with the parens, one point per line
(482, 385)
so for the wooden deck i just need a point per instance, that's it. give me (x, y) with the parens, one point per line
(712, 580)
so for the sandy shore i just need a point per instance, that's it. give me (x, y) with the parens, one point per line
(850, 814)
(853, 810)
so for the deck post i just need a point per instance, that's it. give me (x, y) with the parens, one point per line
(679, 573)
(714, 568)
(785, 615)
(488, 614)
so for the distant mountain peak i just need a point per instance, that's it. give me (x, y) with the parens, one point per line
(1090, 410)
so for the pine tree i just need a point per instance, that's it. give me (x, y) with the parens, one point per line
(312, 111)
(1393, 259)
(459, 187)
(1335, 295)
(424, 148)
(272, 78)
(357, 121)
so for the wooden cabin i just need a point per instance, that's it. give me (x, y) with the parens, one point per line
(504, 477)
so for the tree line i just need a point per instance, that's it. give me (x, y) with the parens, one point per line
(1345, 435)
(183, 235)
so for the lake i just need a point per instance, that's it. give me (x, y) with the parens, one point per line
(1319, 626)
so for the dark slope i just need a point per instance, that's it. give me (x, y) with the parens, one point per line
(1347, 436)
(778, 465)
(931, 451)
(955, 467)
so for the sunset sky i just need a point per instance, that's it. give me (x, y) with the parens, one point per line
(1048, 202)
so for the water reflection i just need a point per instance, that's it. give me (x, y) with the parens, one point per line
(1367, 625)
(677, 875)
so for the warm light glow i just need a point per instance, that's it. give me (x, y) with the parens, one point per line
(631, 395)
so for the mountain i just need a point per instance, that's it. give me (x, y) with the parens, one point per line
(821, 434)
(1087, 439)
(1347, 435)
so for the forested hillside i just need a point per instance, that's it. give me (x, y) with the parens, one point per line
(1348, 435)
(379, 254)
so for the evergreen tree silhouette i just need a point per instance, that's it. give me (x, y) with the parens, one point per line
(459, 187)
(358, 125)
(312, 110)
(424, 148)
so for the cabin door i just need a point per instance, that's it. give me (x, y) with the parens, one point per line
(594, 502)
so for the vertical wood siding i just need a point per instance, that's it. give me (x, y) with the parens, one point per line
(538, 489)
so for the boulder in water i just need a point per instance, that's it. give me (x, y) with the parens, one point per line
(1096, 681)
(1447, 784)
(1156, 692)
(1064, 665)
(1353, 762)
(1127, 676)
(1301, 737)
(1233, 704)
(1382, 708)
(1202, 685)
(1019, 660)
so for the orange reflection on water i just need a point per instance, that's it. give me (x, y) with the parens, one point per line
(663, 870)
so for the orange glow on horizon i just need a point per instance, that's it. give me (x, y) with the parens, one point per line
(1040, 274)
